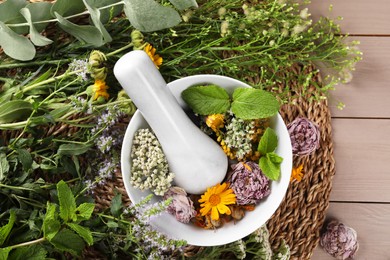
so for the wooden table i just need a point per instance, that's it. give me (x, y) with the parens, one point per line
(361, 132)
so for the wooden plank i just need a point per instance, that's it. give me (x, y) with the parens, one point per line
(368, 94)
(362, 153)
(371, 222)
(360, 16)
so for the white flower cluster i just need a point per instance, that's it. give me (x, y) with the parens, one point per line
(149, 165)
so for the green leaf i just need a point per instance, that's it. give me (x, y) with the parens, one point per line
(251, 103)
(84, 33)
(25, 158)
(40, 11)
(148, 15)
(67, 202)
(73, 149)
(59, 112)
(5, 230)
(83, 232)
(207, 100)
(116, 205)
(51, 224)
(4, 253)
(68, 241)
(268, 142)
(9, 14)
(4, 167)
(108, 13)
(84, 211)
(15, 45)
(33, 252)
(270, 165)
(95, 16)
(112, 224)
(14, 110)
(183, 4)
(35, 36)
(65, 8)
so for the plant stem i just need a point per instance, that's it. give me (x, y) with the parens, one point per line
(119, 50)
(39, 240)
(15, 187)
(27, 64)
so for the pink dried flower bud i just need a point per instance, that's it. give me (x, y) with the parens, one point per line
(182, 206)
(304, 135)
(248, 183)
(339, 240)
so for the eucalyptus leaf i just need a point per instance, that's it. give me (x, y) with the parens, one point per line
(66, 7)
(84, 33)
(148, 15)
(95, 16)
(9, 14)
(35, 36)
(183, 4)
(40, 11)
(106, 14)
(15, 45)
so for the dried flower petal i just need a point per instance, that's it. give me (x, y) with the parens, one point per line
(182, 206)
(304, 135)
(339, 240)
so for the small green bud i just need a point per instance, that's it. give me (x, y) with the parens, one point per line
(137, 38)
(97, 67)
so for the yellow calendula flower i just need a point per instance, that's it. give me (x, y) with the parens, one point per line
(157, 59)
(100, 89)
(215, 200)
(297, 173)
(215, 121)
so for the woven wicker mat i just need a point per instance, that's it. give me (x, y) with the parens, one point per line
(299, 218)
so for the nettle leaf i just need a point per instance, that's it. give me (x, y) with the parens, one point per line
(68, 241)
(148, 15)
(33, 252)
(95, 16)
(268, 142)
(207, 100)
(251, 103)
(83, 232)
(67, 202)
(15, 45)
(9, 14)
(51, 224)
(183, 4)
(6, 229)
(35, 36)
(64, 8)
(73, 149)
(84, 211)
(4, 168)
(108, 13)
(270, 165)
(25, 158)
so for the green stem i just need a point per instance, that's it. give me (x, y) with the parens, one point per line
(15, 187)
(114, 218)
(35, 63)
(120, 50)
(39, 240)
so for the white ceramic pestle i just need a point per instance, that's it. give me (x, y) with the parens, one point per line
(197, 161)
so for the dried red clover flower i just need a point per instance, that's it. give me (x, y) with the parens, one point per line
(182, 206)
(339, 240)
(248, 183)
(304, 135)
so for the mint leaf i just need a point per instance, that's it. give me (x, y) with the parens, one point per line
(4, 253)
(67, 240)
(270, 165)
(6, 229)
(4, 166)
(251, 103)
(51, 225)
(83, 232)
(67, 202)
(116, 205)
(73, 149)
(268, 142)
(84, 211)
(33, 252)
(25, 158)
(206, 100)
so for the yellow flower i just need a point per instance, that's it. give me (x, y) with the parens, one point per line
(100, 89)
(215, 200)
(215, 121)
(157, 60)
(297, 173)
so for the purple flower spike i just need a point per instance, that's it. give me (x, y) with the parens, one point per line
(339, 240)
(248, 183)
(304, 135)
(182, 206)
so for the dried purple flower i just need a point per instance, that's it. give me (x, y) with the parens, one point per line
(182, 206)
(339, 240)
(304, 135)
(248, 183)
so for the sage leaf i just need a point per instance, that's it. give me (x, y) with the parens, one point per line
(116, 205)
(251, 103)
(9, 14)
(148, 15)
(83, 232)
(84, 211)
(33, 252)
(64, 8)
(4, 168)
(15, 45)
(68, 241)
(6, 229)
(270, 165)
(95, 16)
(73, 149)
(67, 202)
(51, 224)
(84, 33)
(183, 4)
(268, 142)
(207, 100)
(35, 36)
(25, 158)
